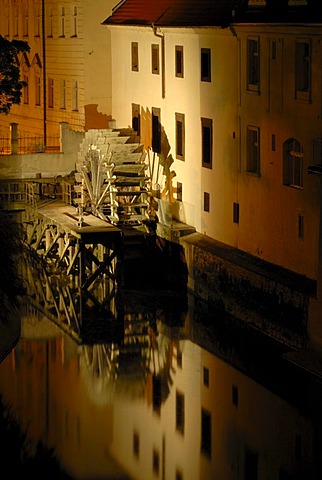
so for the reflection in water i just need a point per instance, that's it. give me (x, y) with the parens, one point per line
(168, 400)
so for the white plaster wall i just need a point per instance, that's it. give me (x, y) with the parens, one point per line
(216, 100)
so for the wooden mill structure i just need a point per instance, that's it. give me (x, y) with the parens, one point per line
(81, 227)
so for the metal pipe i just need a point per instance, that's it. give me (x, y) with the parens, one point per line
(43, 20)
(161, 36)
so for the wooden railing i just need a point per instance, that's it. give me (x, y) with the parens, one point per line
(12, 194)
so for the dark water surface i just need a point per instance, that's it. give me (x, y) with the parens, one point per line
(179, 393)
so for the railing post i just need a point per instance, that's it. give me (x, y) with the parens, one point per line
(14, 138)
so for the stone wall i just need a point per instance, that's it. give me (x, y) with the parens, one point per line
(268, 298)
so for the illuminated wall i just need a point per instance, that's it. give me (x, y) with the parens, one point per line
(244, 199)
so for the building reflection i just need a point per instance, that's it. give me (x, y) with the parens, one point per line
(162, 402)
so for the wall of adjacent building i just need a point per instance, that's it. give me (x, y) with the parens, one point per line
(73, 55)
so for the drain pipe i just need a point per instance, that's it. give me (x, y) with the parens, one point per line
(161, 35)
(43, 34)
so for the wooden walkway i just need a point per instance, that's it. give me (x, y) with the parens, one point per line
(88, 228)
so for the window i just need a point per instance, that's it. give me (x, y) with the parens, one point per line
(179, 61)
(136, 118)
(155, 59)
(62, 21)
(135, 56)
(179, 474)
(206, 432)
(253, 64)
(292, 163)
(26, 90)
(273, 142)
(206, 202)
(251, 465)
(300, 225)
(205, 65)
(179, 359)
(156, 462)
(136, 444)
(236, 212)
(235, 395)
(50, 92)
(37, 90)
(206, 133)
(180, 412)
(75, 95)
(37, 21)
(302, 69)
(25, 21)
(273, 50)
(74, 21)
(15, 22)
(180, 136)
(206, 376)
(179, 191)
(253, 150)
(49, 21)
(317, 151)
(298, 446)
(63, 94)
(7, 22)
(156, 393)
(156, 130)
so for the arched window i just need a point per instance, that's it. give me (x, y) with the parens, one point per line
(293, 163)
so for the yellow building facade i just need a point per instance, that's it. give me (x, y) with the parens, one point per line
(64, 69)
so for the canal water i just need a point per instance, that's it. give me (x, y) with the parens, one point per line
(178, 392)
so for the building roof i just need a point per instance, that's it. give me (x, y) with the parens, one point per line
(210, 13)
(174, 13)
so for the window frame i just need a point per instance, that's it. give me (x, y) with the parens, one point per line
(26, 89)
(156, 129)
(205, 64)
(74, 20)
(180, 136)
(50, 92)
(206, 150)
(180, 412)
(206, 202)
(62, 21)
(155, 59)
(134, 56)
(253, 64)
(75, 95)
(62, 94)
(253, 150)
(303, 65)
(293, 161)
(179, 191)
(136, 118)
(179, 61)
(206, 432)
(38, 90)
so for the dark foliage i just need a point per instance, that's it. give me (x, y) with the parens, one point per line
(10, 83)
(11, 246)
(14, 452)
